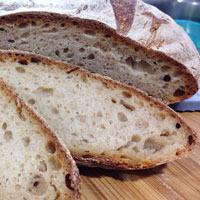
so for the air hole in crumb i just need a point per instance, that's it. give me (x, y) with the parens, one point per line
(50, 147)
(81, 49)
(31, 101)
(136, 138)
(26, 141)
(4, 126)
(68, 182)
(124, 157)
(55, 110)
(17, 187)
(141, 124)
(160, 117)
(167, 78)
(178, 125)
(70, 55)
(37, 186)
(89, 32)
(53, 30)
(23, 62)
(42, 166)
(65, 50)
(35, 60)
(23, 25)
(113, 100)
(11, 40)
(140, 103)
(165, 133)
(136, 149)
(84, 77)
(90, 56)
(130, 61)
(57, 53)
(174, 133)
(127, 106)
(179, 93)
(8, 136)
(85, 140)
(101, 46)
(114, 44)
(146, 67)
(99, 114)
(110, 122)
(54, 163)
(45, 92)
(25, 35)
(107, 36)
(165, 68)
(102, 126)
(190, 139)
(153, 145)
(177, 73)
(122, 117)
(46, 25)
(126, 94)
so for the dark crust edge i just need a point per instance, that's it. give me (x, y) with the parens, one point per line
(63, 154)
(106, 161)
(190, 79)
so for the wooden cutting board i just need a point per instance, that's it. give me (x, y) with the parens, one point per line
(174, 181)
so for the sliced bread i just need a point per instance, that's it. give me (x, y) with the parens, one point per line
(155, 56)
(102, 122)
(35, 164)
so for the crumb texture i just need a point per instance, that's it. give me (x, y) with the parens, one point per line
(94, 117)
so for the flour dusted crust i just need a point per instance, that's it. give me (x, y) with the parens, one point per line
(95, 158)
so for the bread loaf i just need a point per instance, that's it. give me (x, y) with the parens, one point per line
(35, 164)
(102, 122)
(150, 51)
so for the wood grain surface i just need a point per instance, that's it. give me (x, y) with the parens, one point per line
(177, 180)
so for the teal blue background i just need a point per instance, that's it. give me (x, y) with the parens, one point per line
(192, 29)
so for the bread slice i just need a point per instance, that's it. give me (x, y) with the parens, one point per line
(155, 56)
(35, 164)
(102, 122)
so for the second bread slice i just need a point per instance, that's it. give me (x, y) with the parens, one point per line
(101, 121)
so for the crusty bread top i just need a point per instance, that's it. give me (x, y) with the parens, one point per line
(67, 165)
(139, 22)
(109, 88)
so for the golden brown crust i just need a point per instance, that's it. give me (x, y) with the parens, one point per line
(189, 78)
(64, 155)
(106, 160)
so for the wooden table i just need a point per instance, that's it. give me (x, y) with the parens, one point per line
(174, 181)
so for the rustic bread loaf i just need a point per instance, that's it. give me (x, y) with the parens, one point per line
(101, 121)
(153, 54)
(35, 164)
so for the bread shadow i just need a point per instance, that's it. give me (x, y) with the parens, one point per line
(119, 174)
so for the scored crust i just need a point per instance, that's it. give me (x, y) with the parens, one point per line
(62, 152)
(190, 72)
(107, 161)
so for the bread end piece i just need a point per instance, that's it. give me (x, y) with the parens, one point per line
(38, 165)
